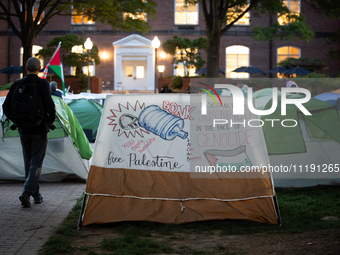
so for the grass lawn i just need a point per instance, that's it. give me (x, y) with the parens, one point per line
(302, 210)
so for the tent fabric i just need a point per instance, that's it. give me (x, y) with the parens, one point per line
(88, 113)
(143, 159)
(324, 117)
(328, 97)
(310, 150)
(63, 159)
(73, 128)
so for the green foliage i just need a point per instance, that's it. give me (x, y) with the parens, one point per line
(111, 12)
(82, 82)
(314, 75)
(292, 62)
(296, 27)
(70, 58)
(177, 82)
(56, 245)
(189, 51)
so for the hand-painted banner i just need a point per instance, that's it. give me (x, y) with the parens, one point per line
(170, 134)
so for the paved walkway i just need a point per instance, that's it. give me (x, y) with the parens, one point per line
(25, 230)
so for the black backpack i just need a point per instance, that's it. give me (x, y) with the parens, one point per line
(27, 108)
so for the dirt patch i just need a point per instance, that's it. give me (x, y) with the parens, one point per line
(317, 242)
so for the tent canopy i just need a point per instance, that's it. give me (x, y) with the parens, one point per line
(88, 113)
(66, 149)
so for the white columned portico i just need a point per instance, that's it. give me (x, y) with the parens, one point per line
(134, 64)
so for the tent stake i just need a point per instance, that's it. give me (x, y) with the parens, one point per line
(81, 212)
(277, 210)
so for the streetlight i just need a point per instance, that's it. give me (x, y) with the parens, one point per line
(161, 68)
(155, 44)
(88, 46)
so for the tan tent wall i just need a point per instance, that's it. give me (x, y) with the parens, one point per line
(167, 197)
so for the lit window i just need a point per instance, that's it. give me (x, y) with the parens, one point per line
(141, 16)
(140, 72)
(185, 14)
(80, 50)
(232, 15)
(35, 10)
(181, 68)
(78, 17)
(236, 56)
(287, 52)
(129, 71)
(35, 50)
(294, 8)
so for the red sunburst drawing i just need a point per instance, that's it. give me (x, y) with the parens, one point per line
(125, 120)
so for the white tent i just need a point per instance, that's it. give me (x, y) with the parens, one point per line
(66, 154)
(310, 151)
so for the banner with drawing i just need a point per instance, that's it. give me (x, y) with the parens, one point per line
(169, 133)
(145, 132)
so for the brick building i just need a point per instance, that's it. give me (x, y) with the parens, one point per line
(128, 59)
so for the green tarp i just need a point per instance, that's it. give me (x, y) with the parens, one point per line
(88, 113)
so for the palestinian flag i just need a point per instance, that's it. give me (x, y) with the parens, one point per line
(56, 65)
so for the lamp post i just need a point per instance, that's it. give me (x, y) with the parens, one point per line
(88, 46)
(155, 44)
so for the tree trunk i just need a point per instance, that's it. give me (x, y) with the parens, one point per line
(213, 53)
(27, 45)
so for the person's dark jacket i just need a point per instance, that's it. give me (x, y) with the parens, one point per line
(48, 104)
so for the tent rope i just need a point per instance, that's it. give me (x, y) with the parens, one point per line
(181, 200)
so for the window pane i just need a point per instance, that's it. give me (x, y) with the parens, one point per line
(294, 50)
(282, 50)
(180, 18)
(129, 71)
(180, 6)
(140, 71)
(237, 56)
(186, 14)
(192, 71)
(287, 52)
(78, 18)
(87, 20)
(192, 18)
(243, 60)
(192, 8)
(294, 6)
(245, 18)
(180, 70)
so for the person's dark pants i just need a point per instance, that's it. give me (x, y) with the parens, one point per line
(34, 150)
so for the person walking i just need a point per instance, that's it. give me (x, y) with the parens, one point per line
(33, 139)
(54, 91)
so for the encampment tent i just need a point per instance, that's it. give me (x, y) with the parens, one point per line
(67, 147)
(151, 158)
(88, 113)
(308, 150)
